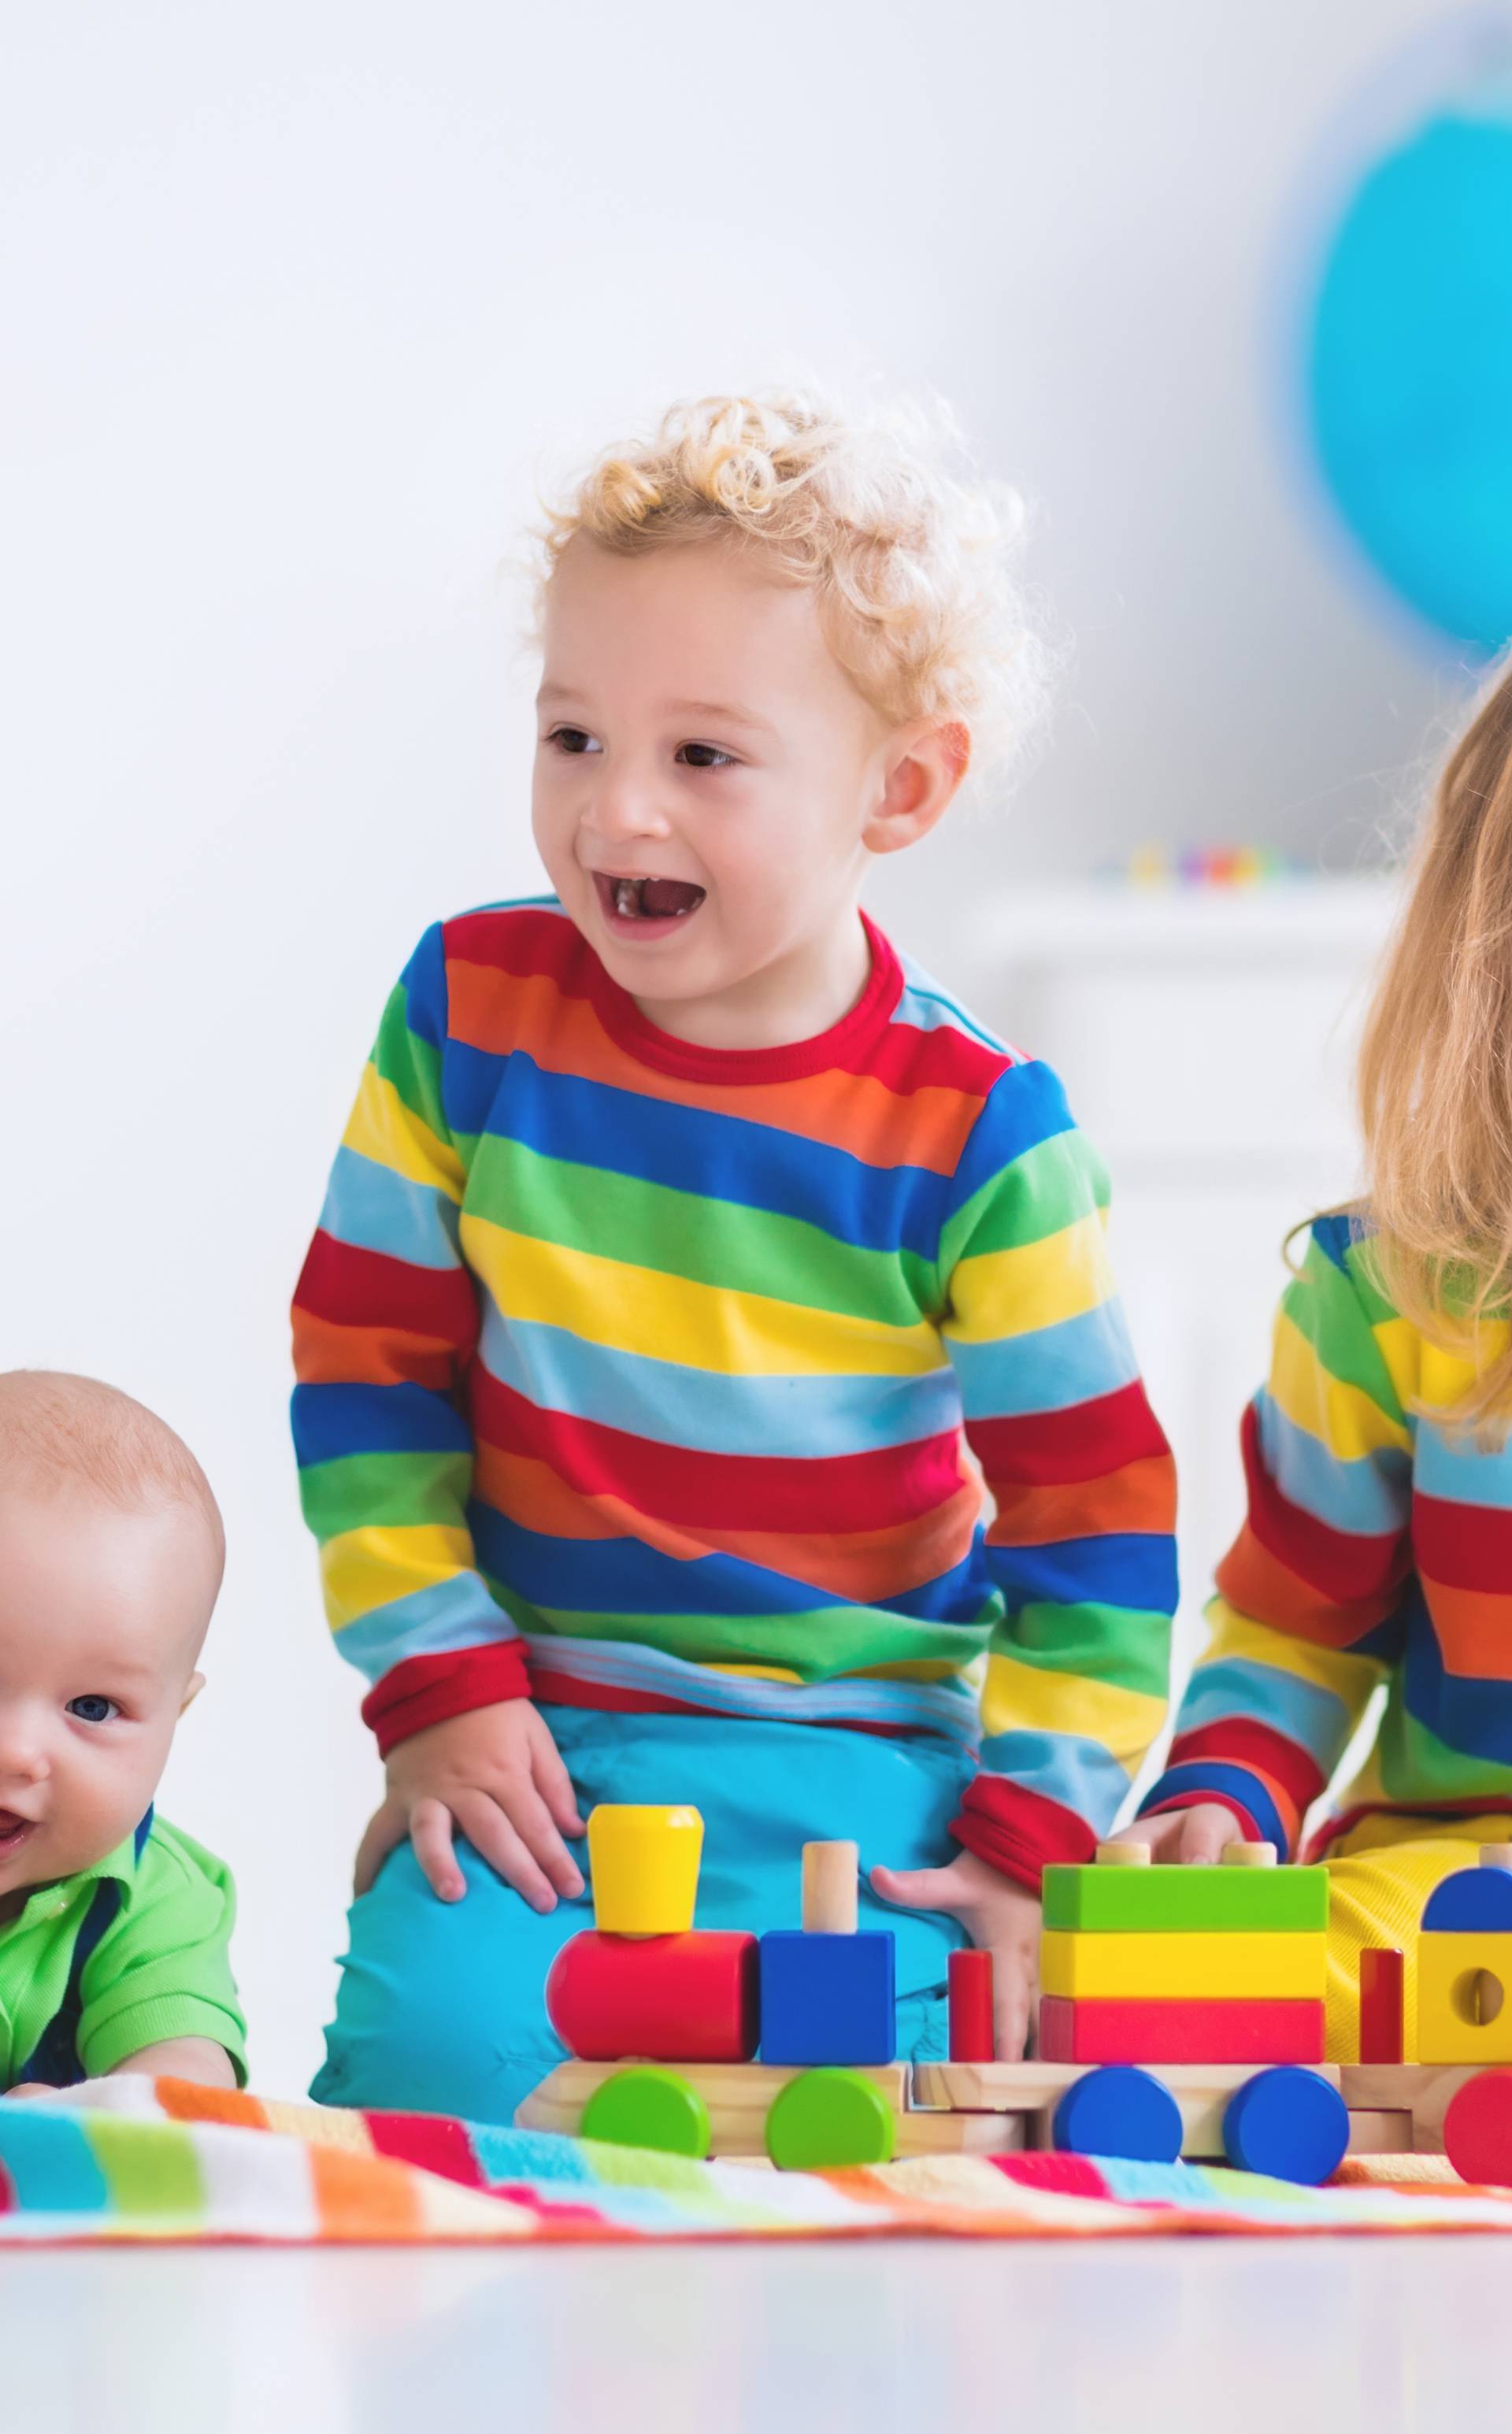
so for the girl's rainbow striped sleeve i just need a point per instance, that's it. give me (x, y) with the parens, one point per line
(385, 1322)
(1303, 1626)
(1082, 1547)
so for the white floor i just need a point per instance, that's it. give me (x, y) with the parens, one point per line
(1354, 2337)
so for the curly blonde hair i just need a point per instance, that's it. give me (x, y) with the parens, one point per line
(914, 565)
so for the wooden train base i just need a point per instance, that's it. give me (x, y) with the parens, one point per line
(1003, 2108)
(940, 2108)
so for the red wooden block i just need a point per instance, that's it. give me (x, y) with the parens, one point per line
(971, 2001)
(1478, 2129)
(1380, 2004)
(693, 1998)
(1131, 2029)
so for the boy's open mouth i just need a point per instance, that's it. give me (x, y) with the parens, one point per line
(649, 906)
(13, 1831)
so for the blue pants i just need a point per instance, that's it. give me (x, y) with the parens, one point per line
(440, 2008)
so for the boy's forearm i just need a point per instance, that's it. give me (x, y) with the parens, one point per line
(1074, 1696)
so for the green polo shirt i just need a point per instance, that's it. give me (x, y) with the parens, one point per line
(160, 1969)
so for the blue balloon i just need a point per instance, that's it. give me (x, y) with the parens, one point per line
(1410, 369)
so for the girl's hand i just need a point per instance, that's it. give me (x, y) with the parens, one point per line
(496, 1775)
(1194, 1835)
(999, 1917)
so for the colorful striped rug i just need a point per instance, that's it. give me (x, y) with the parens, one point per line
(127, 2159)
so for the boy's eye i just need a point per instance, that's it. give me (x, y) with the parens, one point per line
(93, 1709)
(571, 739)
(705, 755)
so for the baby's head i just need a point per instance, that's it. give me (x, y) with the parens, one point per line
(110, 1559)
(773, 640)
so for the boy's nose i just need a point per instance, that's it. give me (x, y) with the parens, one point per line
(624, 812)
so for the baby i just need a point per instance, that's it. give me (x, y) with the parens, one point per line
(114, 1926)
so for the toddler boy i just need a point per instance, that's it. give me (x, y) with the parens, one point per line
(689, 1258)
(114, 1926)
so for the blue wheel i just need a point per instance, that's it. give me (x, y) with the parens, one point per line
(1119, 2111)
(1287, 2123)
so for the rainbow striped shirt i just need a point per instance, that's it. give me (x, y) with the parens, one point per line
(1378, 1547)
(638, 1375)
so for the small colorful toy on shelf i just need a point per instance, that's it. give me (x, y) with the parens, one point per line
(1205, 866)
(1182, 2015)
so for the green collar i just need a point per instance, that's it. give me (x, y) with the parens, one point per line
(50, 1900)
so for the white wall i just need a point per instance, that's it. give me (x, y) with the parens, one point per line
(295, 299)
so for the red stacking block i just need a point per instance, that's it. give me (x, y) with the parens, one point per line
(1113, 2029)
(1381, 1973)
(693, 1998)
(970, 2007)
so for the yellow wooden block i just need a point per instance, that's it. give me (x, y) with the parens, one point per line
(1463, 1985)
(643, 1863)
(1217, 1967)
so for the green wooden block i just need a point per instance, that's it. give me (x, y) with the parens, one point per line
(1195, 1901)
(824, 2118)
(648, 2106)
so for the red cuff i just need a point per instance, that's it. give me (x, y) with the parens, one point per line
(426, 1689)
(1019, 1832)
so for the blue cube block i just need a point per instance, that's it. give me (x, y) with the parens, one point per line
(827, 1998)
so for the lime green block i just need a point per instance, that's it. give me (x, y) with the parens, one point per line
(647, 2107)
(824, 2118)
(1195, 1901)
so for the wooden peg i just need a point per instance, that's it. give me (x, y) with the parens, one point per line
(1496, 1855)
(829, 1888)
(1123, 1855)
(1249, 1854)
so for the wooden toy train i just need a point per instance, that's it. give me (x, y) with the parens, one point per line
(1182, 2014)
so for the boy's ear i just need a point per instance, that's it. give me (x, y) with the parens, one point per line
(925, 765)
(190, 1691)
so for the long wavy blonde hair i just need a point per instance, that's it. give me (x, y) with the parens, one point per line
(1434, 1080)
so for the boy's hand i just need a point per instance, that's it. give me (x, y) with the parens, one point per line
(496, 1775)
(1194, 1835)
(999, 1917)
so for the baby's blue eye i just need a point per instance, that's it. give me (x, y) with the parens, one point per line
(93, 1709)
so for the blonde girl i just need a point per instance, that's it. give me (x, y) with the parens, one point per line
(1378, 1543)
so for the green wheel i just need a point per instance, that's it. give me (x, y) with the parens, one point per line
(824, 2118)
(648, 2106)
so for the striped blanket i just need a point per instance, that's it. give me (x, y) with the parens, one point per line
(129, 2159)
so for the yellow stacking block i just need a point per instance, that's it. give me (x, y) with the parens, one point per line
(643, 1863)
(1212, 1967)
(1464, 1996)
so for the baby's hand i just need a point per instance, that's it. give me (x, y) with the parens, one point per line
(494, 1774)
(999, 1917)
(1197, 1834)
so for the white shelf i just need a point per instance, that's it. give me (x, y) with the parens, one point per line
(1278, 920)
